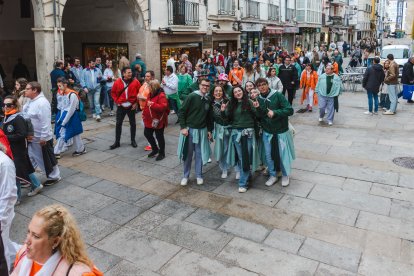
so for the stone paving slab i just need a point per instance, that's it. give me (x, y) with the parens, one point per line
(327, 270)
(207, 218)
(265, 260)
(402, 209)
(318, 178)
(331, 254)
(191, 236)
(319, 209)
(83, 180)
(357, 185)
(102, 259)
(94, 229)
(396, 227)
(406, 181)
(126, 268)
(355, 200)
(284, 240)
(374, 266)
(191, 263)
(245, 229)
(143, 251)
(148, 201)
(393, 192)
(173, 209)
(146, 221)
(119, 212)
(111, 189)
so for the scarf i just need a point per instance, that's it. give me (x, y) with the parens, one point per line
(10, 116)
(267, 97)
(11, 112)
(47, 270)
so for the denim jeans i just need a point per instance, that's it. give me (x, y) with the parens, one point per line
(223, 160)
(193, 148)
(392, 94)
(268, 153)
(94, 96)
(108, 101)
(372, 97)
(326, 103)
(244, 176)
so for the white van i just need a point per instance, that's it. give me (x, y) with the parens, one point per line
(401, 54)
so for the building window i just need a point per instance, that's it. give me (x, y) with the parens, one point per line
(227, 7)
(25, 9)
(290, 14)
(253, 9)
(274, 13)
(182, 12)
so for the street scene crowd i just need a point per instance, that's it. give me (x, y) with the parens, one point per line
(232, 109)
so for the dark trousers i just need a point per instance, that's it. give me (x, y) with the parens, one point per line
(53, 104)
(159, 134)
(120, 115)
(290, 92)
(173, 105)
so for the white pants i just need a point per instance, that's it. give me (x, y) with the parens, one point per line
(62, 146)
(36, 156)
(309, 97)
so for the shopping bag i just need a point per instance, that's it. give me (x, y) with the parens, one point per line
(408, 91)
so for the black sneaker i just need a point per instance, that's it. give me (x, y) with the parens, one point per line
(134, 144)
(160, 157)
(50, 182)
(114, 146)
(76, 153)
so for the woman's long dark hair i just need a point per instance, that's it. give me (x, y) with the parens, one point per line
(233, 102)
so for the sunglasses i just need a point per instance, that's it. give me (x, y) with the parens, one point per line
(8, 104)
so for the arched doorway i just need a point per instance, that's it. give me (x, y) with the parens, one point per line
(102, 28)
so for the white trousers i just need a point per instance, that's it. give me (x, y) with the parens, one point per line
(309, 97)
(62, 146)
(36, 156)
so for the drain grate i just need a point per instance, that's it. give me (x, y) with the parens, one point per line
(406, 162)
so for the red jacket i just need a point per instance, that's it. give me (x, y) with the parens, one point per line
(6, 144)
(118, 92)
(159, 108)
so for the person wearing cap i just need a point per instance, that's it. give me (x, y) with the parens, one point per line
(138, 60)
(223, 81)
(195, 86)
(236, 74)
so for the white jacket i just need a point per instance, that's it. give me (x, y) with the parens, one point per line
(8, 197)
(275, 84)
(38, 111)
(171, 84)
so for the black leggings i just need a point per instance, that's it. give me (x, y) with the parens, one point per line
(159, 133)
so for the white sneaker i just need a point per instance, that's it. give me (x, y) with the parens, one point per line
(367, 113)
(184, 181)
(111, 113)
(98, 118)
(94, 116)
(200, 181)
(320, 119)
(242, 190)
(224, 174)
(237, 175)
(272, 180)
(35, 191)
(285, 181)
(330, 123)
(103, 108)
(209, 160)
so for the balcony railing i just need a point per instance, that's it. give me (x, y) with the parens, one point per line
(227, 7)
(253, 9)
(181, 12)
(337, 20)
(273, 13)
(290, 14)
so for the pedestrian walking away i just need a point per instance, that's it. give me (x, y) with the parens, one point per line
(124, 93)
(373, 78)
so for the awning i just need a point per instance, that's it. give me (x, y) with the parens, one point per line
(273, 30)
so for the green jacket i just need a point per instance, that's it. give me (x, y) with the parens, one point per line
(142, 64)
(195, 112)
(321, 86)
(184, 81)
(281, 108)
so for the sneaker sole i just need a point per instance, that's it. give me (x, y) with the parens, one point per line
(52, 182)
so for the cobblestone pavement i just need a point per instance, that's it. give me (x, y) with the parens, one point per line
(348, 210)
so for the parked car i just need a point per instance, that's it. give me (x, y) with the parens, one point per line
(401, 54)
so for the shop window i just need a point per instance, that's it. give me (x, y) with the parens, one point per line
(106, 51)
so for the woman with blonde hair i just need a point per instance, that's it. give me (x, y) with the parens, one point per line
(155, 116)
(53, 246)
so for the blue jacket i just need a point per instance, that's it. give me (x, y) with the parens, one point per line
(87, 81)
(54, 75)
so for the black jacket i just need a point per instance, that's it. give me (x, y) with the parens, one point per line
(288, 75)
(407, 74)
(373, 78)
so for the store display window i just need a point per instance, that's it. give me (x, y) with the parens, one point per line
(193, 50)
(107, 51)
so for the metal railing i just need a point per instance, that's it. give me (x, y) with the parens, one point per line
(273, 13)
(253, 9)
(182, 12)
(227, 7)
